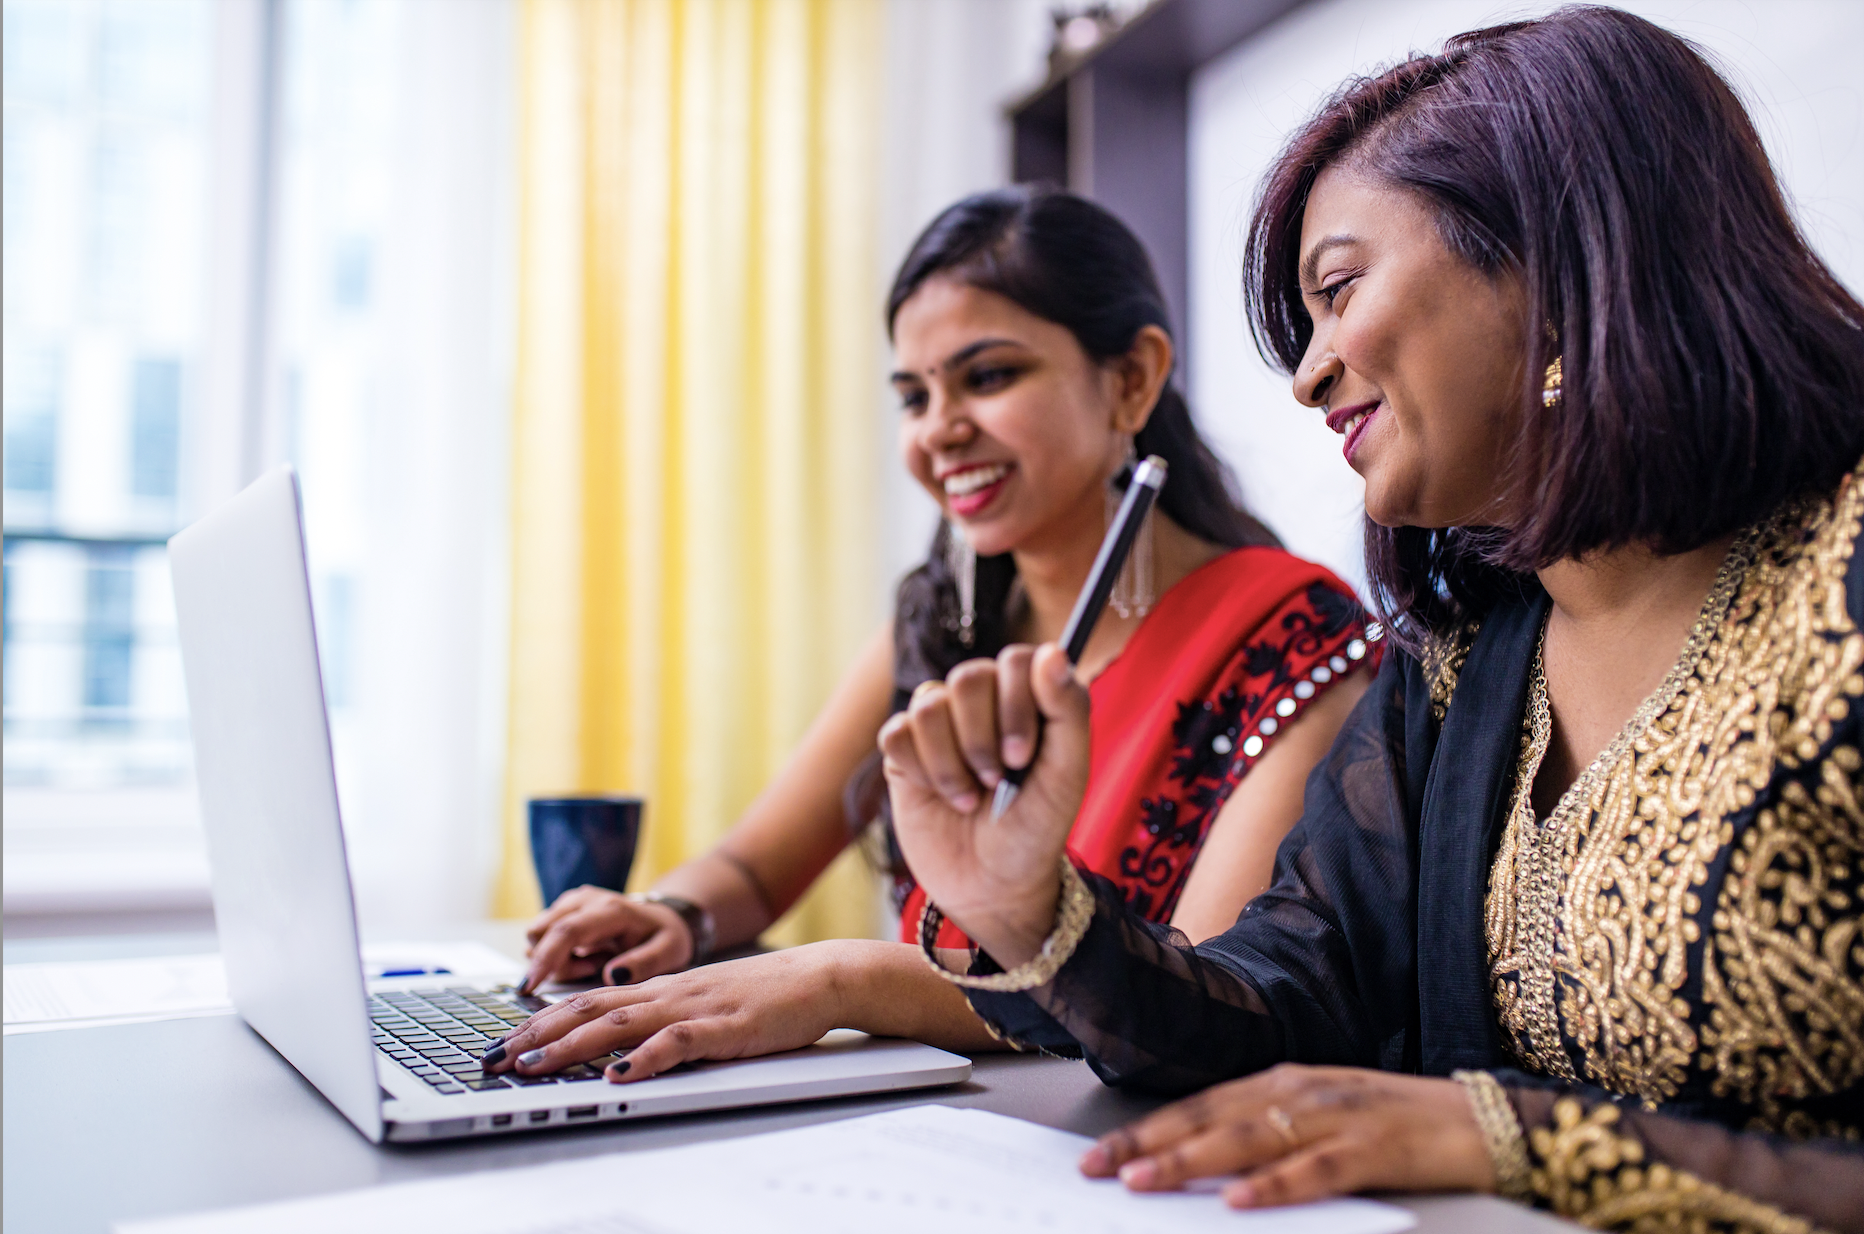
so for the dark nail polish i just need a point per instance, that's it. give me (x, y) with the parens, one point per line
(617, 1070)
(493, 1056)
(620, 975)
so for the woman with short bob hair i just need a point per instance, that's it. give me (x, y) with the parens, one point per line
(1573, 910)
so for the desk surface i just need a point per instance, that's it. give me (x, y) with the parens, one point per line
(145, 1120)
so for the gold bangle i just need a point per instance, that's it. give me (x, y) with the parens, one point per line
(1073, 913)
(1501, 1132)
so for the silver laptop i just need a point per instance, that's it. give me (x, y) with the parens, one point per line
(397, 1057)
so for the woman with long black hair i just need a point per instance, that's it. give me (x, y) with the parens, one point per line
(1033, 362)
(1573, 910)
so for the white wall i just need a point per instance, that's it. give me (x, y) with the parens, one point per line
(951, 67)
(1785, 60)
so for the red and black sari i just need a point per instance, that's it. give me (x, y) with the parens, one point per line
(1225, 661)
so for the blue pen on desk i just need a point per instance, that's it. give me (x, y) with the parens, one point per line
(1141, 492)
(415, 972)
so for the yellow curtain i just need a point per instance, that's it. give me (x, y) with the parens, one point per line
(693, 475)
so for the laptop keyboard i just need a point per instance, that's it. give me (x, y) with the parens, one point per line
(440, 1035)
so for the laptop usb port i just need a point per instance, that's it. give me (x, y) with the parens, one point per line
(540, 1116)
(582, 1111)
(501, 1120)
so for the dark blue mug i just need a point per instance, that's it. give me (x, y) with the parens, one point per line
(577, 840)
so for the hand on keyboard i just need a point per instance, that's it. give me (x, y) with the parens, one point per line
(587, 926)
(758, 1005)
(440, 1035)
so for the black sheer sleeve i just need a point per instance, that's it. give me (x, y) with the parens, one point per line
(1318, 969)
(1602, 1160)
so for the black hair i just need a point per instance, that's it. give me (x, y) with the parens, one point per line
(1712, 364)
(1072, 262)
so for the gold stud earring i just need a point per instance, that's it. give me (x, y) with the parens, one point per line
(1550, 390)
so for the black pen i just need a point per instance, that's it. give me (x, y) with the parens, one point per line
(1141, 492)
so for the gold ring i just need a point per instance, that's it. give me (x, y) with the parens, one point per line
(1277, 1118)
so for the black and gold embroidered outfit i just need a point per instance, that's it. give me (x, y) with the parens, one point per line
(1666, 973)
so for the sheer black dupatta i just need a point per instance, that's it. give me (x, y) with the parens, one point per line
(1367, 950)
(1464, 806)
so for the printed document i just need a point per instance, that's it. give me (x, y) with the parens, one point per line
(94, 993)
(926, 1169)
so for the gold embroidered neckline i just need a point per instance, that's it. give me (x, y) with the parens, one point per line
(1709, 618)
(1536, 847)
(1685, 922)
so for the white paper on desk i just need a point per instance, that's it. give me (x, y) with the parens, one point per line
(93, 993)
(922, 1170)
(96, 993)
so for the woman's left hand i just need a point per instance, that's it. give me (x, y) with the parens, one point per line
(1298, 1134)
(736, 1009)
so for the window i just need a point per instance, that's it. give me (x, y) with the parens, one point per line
(155, 443)
(32, 389)
(238, 233)
(106, 169)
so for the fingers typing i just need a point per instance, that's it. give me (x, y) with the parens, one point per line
(548, 954)
(665, 951)
(583, 941)
(682, 1041)
(571, 1031)
(564, 905)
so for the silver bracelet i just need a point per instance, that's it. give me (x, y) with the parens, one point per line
(1074, 912)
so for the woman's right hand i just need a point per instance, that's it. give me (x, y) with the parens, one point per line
(757, 1005)
(591, 929)
(944, 755)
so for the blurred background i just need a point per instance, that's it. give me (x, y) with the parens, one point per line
(568, 313)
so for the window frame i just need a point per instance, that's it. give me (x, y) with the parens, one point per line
(137, 850)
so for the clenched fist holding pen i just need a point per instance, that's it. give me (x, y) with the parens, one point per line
(944, 756)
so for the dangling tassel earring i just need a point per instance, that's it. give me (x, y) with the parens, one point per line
(961, 558)
(1133, 590)
(1550, 386)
